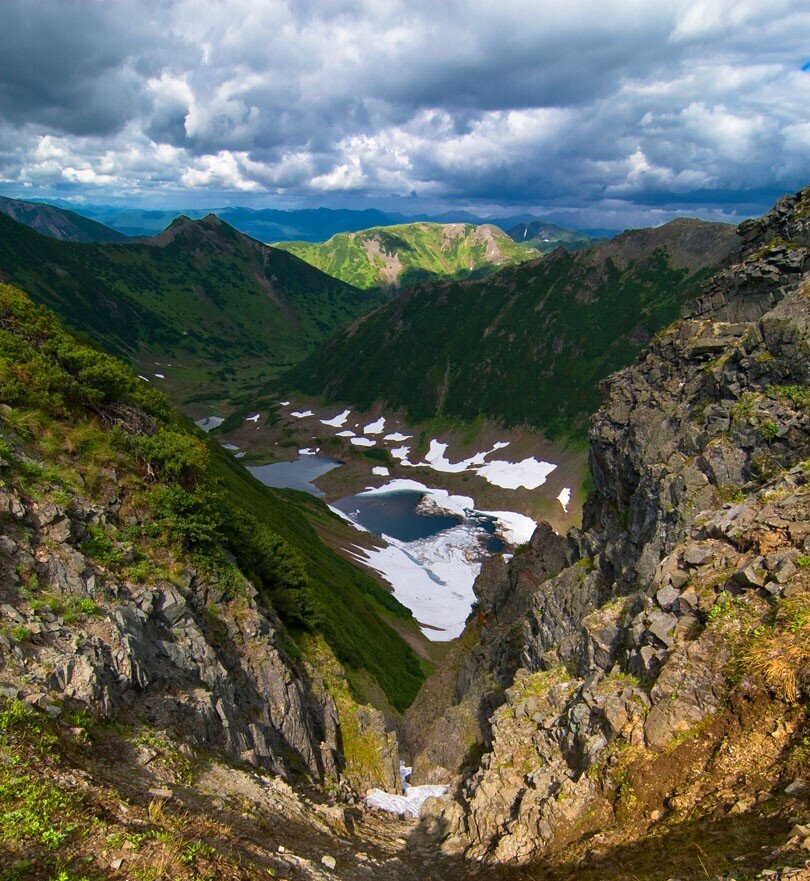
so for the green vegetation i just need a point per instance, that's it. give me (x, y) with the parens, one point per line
(397, 256)
(528, 345)
(92, 421)
(222, 309)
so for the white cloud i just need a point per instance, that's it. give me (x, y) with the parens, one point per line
(609, 103)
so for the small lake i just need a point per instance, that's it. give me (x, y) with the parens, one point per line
(298, 474)
(395, 514)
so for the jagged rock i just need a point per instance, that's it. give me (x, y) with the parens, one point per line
(697, 420)
(752, 575)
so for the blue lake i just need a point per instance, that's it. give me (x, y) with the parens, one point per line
(394, 514)
(298, 474)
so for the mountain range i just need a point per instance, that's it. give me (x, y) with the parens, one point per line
(216, 308)
(274, 224)
(58, 223)
(193, 685)
(527, 345)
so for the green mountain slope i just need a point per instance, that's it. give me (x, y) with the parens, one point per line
(396, 256)
(545, 237)
(58, 223)
(528, 345)
(223, 310)
(96, 428)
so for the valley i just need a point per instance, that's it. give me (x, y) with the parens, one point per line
(483, 482)
(267, 613)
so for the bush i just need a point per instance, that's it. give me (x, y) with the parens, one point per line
(192, 518)
(174, 455)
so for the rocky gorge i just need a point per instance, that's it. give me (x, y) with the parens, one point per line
(649, 666)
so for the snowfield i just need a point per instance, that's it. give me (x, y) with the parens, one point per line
(530, 473)
(434, 576)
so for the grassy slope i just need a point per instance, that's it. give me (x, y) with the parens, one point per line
(225, 310)
(528, 345)
(62, 389)
(424, 250)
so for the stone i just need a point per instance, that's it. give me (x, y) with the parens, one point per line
(329, 862)
(662, 626)
(795, 786)
(667, 597)
(697, 555)
(751, 575)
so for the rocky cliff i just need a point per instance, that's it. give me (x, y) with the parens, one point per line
(654, 665)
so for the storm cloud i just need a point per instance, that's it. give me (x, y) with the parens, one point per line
(617, 111)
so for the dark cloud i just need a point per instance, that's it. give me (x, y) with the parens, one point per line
(610, 106)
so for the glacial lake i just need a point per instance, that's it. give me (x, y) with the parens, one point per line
(395, 514)
(298, 474)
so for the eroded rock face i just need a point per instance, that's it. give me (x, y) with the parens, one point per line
(171, 654)
(619, 636)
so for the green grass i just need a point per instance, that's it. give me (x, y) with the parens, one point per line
(423, 251)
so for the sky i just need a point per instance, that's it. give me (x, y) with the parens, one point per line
(608, 113)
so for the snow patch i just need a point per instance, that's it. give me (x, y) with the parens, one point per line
(143, 378)
(160, 376)
(530, 473)
(375, 427)
(433, 577)
(307, 451)
(347, 433)
(515, 528)
(410, 803)
(253, 418)
(380, 470)
(363, 442)
(564, 498)
(397, 437)
(300, 414)
(230, 447)
(337, 421)
(284, 403)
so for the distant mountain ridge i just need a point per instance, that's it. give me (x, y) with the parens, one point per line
(545, 237)
(220, 309)
(527, 345)
(392, 257)
(295, 224)
(58, 223)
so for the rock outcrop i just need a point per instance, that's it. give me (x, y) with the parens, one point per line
(169, 653)
(615, 651)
